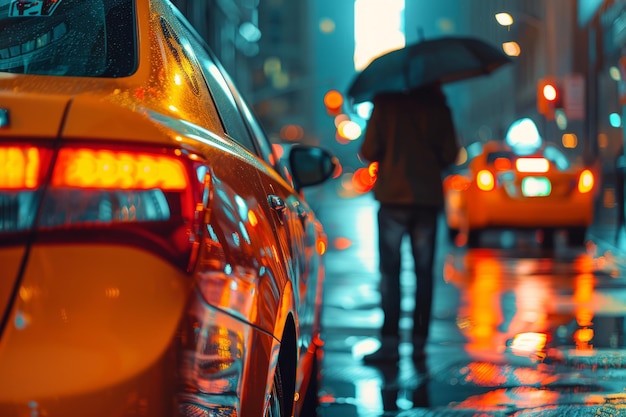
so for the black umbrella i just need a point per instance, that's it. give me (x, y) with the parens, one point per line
(435, 60)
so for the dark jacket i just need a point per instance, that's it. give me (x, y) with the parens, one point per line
(412, 137)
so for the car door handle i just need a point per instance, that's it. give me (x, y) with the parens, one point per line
(276, 203)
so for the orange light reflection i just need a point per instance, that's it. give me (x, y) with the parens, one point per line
(321, 246)
(482, 304)
(252, 219)
(521, 397)
(362, 181)
(342, 243)
(583, 293)
(279, 151)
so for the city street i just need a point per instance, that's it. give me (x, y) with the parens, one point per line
(516, 329)
(189, 208)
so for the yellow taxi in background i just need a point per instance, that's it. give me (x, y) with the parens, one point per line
(501, 187)
(156, 257)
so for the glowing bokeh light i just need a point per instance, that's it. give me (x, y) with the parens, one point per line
(349, 130)
(278, 149)
(549, 92)
(291, 132)
(362, 181)
(529, 342)
(615, 74)
(615, 119)
(569, 140)
(342, 243)
(321, 246)
(586, 181)
(340, 118)
(560, 118)
(333, 100)
(272, 65)
(511, 48)
(364, 110)
(327, 25)
(504, 19)
(524, 135)
(373, 169)
(252, 218)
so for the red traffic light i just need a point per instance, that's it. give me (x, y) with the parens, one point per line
(333, 100)
(548, 96)
(550, 92)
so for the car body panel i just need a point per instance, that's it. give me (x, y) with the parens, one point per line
(11, 261)
(100, 324)
(38, 116)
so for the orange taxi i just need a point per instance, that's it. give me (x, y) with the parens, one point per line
(157, 258)
(503, 188)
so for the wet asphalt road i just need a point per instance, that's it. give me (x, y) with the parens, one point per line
(516, 330)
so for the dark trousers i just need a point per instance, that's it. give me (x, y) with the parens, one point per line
(420, 225)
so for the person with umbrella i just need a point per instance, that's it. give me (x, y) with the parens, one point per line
(413, 139)
(411, 135)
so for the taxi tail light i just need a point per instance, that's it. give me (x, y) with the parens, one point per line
(485, 180)
(152, 198)
(585, 181)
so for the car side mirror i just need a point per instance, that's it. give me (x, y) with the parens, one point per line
(310, 165)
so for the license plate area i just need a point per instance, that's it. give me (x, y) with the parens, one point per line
(536, 187)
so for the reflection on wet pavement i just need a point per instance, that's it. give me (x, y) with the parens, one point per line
(516, 330)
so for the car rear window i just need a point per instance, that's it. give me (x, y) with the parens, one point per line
(83, 38)
(492, 156)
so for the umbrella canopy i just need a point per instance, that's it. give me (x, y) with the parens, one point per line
(435, 60)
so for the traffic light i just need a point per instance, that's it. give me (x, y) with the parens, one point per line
(333, 100)
(549, 97)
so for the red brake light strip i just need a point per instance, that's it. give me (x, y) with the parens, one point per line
(105, 169)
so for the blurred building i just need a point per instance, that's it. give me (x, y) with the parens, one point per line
(604, 22)
(285, 55)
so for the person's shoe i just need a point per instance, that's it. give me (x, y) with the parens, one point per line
(382, 355)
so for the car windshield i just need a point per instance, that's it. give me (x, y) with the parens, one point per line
(85, 38)
(492, 156)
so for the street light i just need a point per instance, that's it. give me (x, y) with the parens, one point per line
(541, 26)
(504, 19)
(511, 48)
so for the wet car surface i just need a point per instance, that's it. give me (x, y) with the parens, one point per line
(157, 257)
